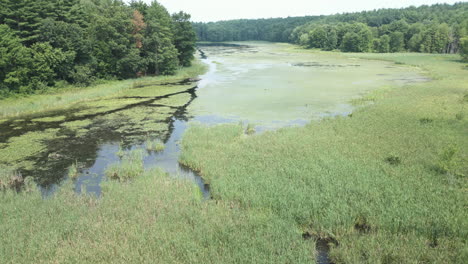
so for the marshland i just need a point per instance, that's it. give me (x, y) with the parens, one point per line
(233, 150)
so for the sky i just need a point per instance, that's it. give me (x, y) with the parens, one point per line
(215, 10)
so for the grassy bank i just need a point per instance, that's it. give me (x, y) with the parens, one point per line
(62, 98)
(388, 183)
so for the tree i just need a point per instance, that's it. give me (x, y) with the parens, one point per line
(138, 26)
(414, 44)
(158, 47)
(357, 39)
(350, 42)
(111, 38)
(184, 38)
(14, 61)
(42, 41)
(318, 38)
(331, 39)
(25, 69)
(304, 40)
(382, 44)
(464, 48)
(397, 41)
(69, 38)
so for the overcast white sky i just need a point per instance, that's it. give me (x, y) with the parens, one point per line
(214, 10)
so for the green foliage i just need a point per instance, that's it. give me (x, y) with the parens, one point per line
(10, 179)
(434, 29)
(184, 38)
(464, 48)
(131, 166)
(272, 29)
(73, 170)
(155, 145)
(357, 38)
(449, 162)
(153, 218)
(397, 41)
(45, 41)
(383, 44)
(158, 47)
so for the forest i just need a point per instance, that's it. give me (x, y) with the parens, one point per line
(270, 29)
(439, 28)
(47, 43)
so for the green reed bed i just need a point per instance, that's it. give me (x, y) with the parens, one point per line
(386, 186)
(154, 145)
(73, 171)
(152, 219)
(130, 167)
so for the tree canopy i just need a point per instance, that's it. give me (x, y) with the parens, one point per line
(78, 41)
(433, 29)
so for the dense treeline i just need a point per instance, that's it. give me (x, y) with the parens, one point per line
(440, 28)
(432, 29)
(77, 41)
(272, 29)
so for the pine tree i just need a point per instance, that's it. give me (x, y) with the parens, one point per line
(184, 38)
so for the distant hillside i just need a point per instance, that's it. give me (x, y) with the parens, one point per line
(270, 29)
(438, 28)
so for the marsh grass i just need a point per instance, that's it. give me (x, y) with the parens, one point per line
(130, 167)
(153, 218)
(10, 179)
(121, 152)
(393, 160)
(154, 145)
(449, 162)
(250, 129)
(335, 177)
(73, 170)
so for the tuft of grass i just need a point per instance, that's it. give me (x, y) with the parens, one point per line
(121, 152)
(129, 168)
(450, 162)
(250, 129)
(73, 170)
(393, 160)
(153, 217)
(10, 179)
(426, 120)
(154, 145)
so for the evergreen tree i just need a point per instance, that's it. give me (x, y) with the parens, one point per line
(184, 38)
(158, 47)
